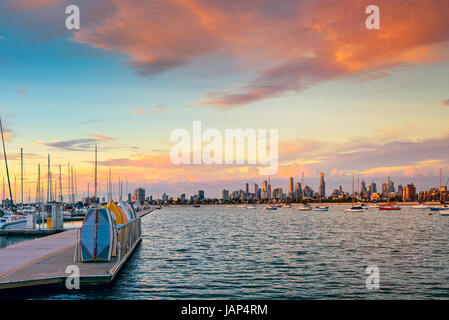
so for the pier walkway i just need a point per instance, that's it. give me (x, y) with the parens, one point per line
(44, 261)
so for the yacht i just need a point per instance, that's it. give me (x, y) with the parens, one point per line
(304, 207)
(9, 220)
(354, 208)
(321, 208)
(390, 206)
(442, 208)
(420, 206)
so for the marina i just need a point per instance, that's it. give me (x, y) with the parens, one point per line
(44, 261)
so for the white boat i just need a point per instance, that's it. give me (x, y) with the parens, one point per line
(251, 207)
(27, 210)
(271, 208)
(304, 208)
(8, 220)
(420, 206)
(286, 206)
(355, 209)
(444, 213)
(321, 208)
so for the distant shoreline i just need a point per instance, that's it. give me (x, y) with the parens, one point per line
(408, 203)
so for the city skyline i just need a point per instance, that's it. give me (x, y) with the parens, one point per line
(343, 97)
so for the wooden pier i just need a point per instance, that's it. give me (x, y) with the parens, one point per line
(44, 261)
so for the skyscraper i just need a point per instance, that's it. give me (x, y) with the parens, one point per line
(200, 194)
(322, 186)
(225, 194)
(139, 195)
(247, 189)
(290, 188)
(298, 191)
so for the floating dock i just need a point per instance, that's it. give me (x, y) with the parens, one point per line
(44, 261)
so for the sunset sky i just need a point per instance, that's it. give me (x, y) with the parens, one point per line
(342, 97)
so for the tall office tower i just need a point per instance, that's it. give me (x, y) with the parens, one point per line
(373, 187)
(322, 186)
(290, 185)
(384, 188)
(225, 194)
(400, 190)
(298, 191)
(139, 195)
(247, 189)
(265, 185)
(269, 191)
(200, 194)
(363, 187)
(390, 185)
(256, 188)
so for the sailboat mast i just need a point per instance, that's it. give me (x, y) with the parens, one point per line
(95, 173)
(60, 184)
(353, 188)
(6, 160)
(21, 173)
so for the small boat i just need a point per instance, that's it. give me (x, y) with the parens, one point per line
(420, 206)
(355, 209)
(287, 206)
(444, 213)
(196, 206)
(304, 208)
(9, 220)
(251, 207)
(321, 208)
(443, 208)
(390, 206)
(271, 208)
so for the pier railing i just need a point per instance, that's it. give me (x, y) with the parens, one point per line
(126, 237)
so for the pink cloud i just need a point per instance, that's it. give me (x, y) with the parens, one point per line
(101, 137)
(445, 103)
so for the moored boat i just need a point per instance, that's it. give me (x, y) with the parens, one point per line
(390, 206)
(305, 207)
(321, 208)
(9, 220)
(355, 209)
(443, 208)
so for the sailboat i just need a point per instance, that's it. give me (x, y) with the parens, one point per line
(354, 208)
(319, 207)
(420, 205)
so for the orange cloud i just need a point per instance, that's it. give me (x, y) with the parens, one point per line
(100, 137)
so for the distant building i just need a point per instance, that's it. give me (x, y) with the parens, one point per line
(409, 193)
(290, 188)
(225, 194)
(278, 193)
(308, 192)
(384, 188)
(139, 195)
(298, 191)
(322, 186)
(200, 195)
